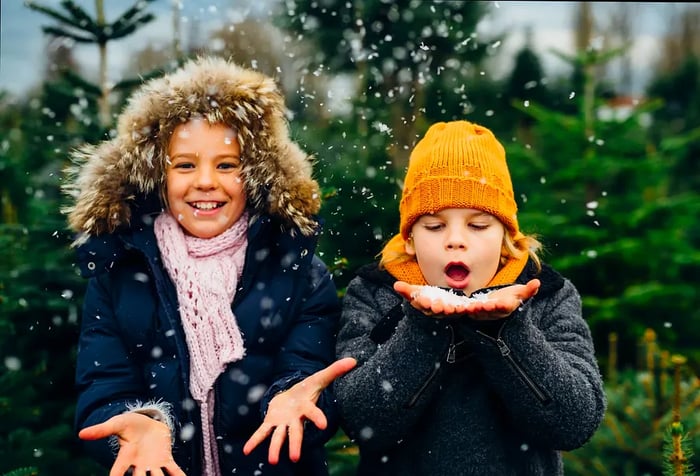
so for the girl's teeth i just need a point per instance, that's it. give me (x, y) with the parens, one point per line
(205, 206)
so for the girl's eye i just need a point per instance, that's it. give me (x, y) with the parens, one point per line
(479, 226)
(183, 165)
(433, 226)
(229, 165)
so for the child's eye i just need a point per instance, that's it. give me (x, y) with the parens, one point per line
(229, 165)
(433, 226)
(479, 226)
(183, 165)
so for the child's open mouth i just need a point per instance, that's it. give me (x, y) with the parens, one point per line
(457, 275)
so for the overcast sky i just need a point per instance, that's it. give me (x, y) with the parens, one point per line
(22, 42)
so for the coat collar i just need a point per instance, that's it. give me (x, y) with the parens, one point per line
(99, 254)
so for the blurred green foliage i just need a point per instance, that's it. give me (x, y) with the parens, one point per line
(643, 404)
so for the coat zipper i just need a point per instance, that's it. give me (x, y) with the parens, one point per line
(451, 354)
(505, 352)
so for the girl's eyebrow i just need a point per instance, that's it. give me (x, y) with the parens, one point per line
(472, 214)
(194, 155)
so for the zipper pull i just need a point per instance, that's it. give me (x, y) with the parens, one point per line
(451, 354)
(452, 349)
(505, 351)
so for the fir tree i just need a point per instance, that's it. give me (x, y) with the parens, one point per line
(40, 290)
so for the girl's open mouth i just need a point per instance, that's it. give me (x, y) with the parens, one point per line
(457, 275)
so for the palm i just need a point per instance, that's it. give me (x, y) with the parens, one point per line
(498, 304)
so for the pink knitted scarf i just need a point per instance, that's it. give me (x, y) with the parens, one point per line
(206, 274)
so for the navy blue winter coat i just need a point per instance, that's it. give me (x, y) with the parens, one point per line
(133, 349)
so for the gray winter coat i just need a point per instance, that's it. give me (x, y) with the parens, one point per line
(456, 397)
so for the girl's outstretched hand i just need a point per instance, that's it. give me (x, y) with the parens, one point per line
(144, 445)
(495, 305)
(289, 409)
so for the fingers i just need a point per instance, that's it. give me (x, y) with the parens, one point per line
(147, 472)
(119, 469)
(295, 432)
(323, 378)
(170, 470)
(96, 432)
(531, 288)
(174, 470)
(258, 437)
(122, 463)
(317, 417)
(276, 442)
(404, 289)
(296, 436)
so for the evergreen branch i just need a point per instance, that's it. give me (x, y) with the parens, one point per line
(545, 115)
(77, 81)
(85, 21)
(27, 471)
(680, 141)
(129, 83)
(132, 18)
(52, 13)
(135, 9)
(120, 30)
(589, 57)
(60, 32)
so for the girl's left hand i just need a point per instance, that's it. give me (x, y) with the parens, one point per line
(144, 444)
(497, 305)
(289, 409)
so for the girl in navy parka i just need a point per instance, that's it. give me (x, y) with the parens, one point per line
(208, 316)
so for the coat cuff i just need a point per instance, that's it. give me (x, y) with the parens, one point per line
(158, 410)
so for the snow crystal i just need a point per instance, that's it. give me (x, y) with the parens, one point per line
(13, 363)
(435, 293)
(256, 393)
(187, 432)
(366, 433)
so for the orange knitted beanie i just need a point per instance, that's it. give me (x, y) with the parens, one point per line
(456, 165)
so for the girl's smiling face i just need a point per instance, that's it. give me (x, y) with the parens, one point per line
(205, 190)
(459, 248)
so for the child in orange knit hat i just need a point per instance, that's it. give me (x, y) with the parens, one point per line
(473, 356)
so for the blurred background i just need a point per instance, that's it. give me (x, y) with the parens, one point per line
(597, 104)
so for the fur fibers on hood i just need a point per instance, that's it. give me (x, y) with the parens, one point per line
(106, 178)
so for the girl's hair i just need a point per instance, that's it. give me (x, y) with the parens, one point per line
(510, 248)
(526, 244)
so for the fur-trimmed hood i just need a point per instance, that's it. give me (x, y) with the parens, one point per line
(106, 178)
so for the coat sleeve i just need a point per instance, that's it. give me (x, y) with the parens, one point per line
(379, 398)
(106, 381)
(309, 346)
(543, 367)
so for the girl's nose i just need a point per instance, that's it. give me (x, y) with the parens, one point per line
(455, 240)
(205, 178)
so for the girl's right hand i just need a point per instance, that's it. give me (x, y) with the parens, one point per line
(289, 410)
(144, 445)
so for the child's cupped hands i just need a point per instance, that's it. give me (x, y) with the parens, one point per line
(496, 304)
